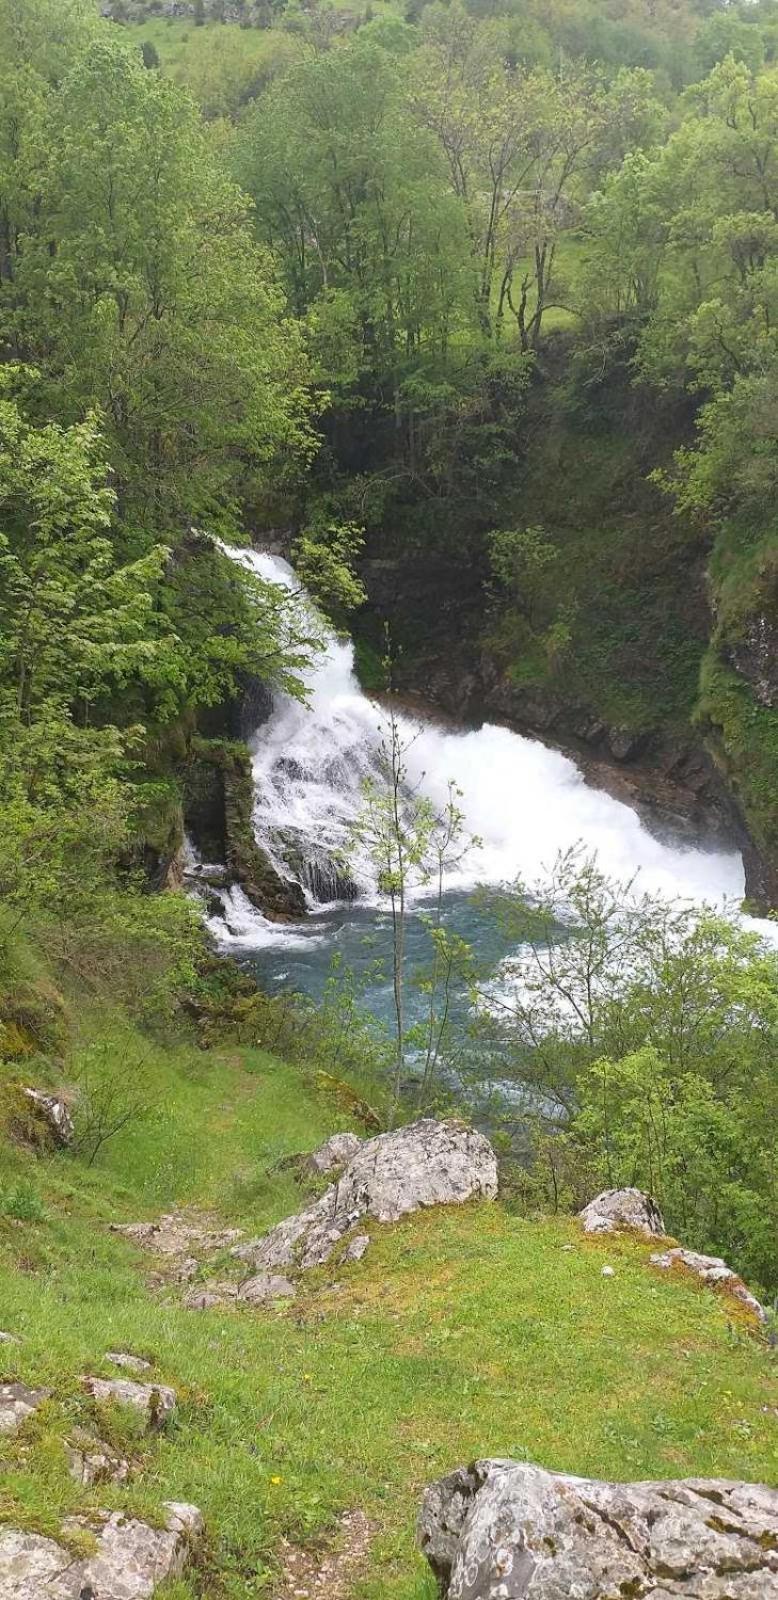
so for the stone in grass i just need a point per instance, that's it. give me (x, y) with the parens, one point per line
(505, 1530)
(17, 1403)
(714, 1272)
(9, 1338)
(616, 1209)
(428, 1163)
(265, 1286)
(130, 1562)
(122, 1358)
(155, 1400)
(52, 1110)
(356, 1247)
(92, 1461)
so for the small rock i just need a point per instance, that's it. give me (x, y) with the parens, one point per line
(333, 1155)
(265, 1286)
(131, 1560)
(714, 1272)
(204, 1296)
(92, 1461)
(615, 1209)
(356, 1247)
(608, 1272)
(9, 1338)
(120, 1358)
(53, 1111)
(157, 1401)
(17, 1402)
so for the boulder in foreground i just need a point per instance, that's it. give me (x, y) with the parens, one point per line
(428, 1163)
(505, 1530)
(616, 1209)
(130, 1562)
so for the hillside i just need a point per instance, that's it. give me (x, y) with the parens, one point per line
(466, 1331)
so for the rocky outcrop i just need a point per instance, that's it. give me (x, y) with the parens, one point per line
(130, 1562)
(713, 1272)
(506, 1530)
(256, 1291)
(616, 1209)
(52, 1111)
(156, 1401)
(755, 657)
(332, 1156)
(426, 1164)
(17, 1403)
(121, 1358)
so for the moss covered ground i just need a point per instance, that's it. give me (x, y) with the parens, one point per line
(463, 1332)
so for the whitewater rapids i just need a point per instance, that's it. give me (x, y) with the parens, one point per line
(524, 802)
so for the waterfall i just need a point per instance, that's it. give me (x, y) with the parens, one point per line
(523, 801)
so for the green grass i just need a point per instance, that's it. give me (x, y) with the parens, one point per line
(464, 1332)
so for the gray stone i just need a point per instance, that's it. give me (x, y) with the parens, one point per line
(356, 1247)
(178, 1233)
(714, 1272)
(204, 1296)
(121, 1358)
(426, 1164)
(266, 1286)
(616, 1209)
(17, 1402)
(130, 1562)
(155, 1400)
(9, 1338)
(54, 1112)
(333, 1155)
(506, 1530)
(92, 1461)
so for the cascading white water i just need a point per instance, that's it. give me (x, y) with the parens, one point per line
(524, 801)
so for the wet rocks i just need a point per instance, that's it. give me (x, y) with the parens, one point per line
(52, 1111)
(428, 1163)
(155, 1400)
(17, 1403)
(616, 1209)
(130, 1562)
(712, 1271)
(506, 1530)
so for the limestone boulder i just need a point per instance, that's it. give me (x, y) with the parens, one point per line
(130, 1562)
(91, 1461)
(712, 1271)
(506, 1530)
(156, 1400)
(617, 1209)
(129, 1363)
(428, 1163)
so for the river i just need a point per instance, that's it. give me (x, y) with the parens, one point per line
(523, 801)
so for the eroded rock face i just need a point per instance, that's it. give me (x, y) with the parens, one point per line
(505, 1530)
(130, 1562)
(615, 1209)
(155, 1400)
(55, 1114)
(714, 1272)
(429, 1163)
(17, 1402)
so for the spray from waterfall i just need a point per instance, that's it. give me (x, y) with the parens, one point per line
(523, 801)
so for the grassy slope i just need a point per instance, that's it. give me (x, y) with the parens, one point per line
(463, 1332)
